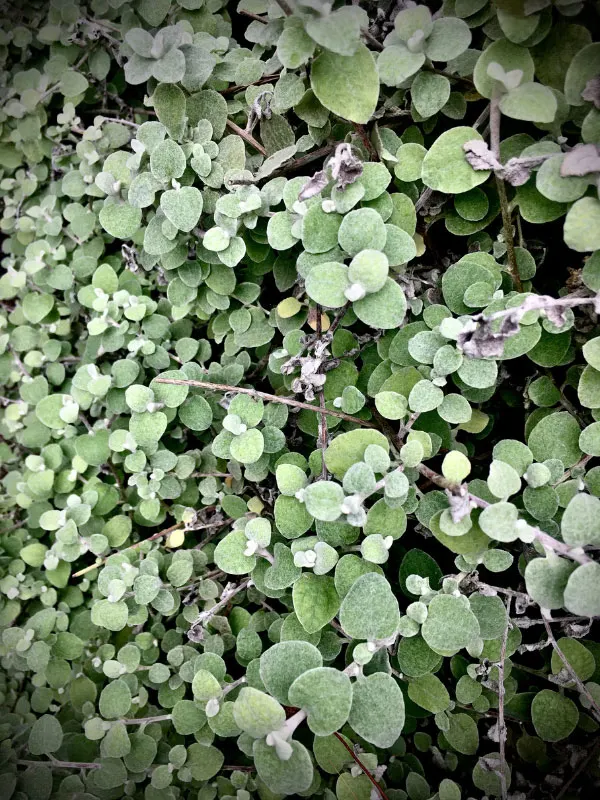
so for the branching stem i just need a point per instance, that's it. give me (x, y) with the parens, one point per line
(247, 137)
(543, 538)
(159, 535)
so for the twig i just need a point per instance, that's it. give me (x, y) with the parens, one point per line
(361, 131)
(355, 757)
(115, 475)
(159, 535)
(450, 75)
(290, 166)
(482, 118)
(476, 584)
(322, 441)
(501, 696)
(110, 112)
(371, 39)
(578, 682)
(527, 622)
(240, 87)
(337, 320)
(84, 57)
(211, 475)
(566, 403)
(285, 7)
(581, 463)
(196, 632)
(423, 199)
(122, 121)
(253, 16)
(146, 720)
(247, 137)
(542, 302)
(20, 365)
(506, 221)
(59, 764)
(272, 398)
(581, 768)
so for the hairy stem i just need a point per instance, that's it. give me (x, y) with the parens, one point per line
(501, 697)
(577, 680)
(495, 116)
(227, 594)
(146, 720)
(247, 137)
(323, 435)
(54, 764)
(543, 538)
(272, 398)
(285, 7)
(355, 757)
(159, 535)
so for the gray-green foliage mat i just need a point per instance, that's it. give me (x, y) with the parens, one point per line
(300, 399)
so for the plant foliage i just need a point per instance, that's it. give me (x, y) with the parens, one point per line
(300, 413)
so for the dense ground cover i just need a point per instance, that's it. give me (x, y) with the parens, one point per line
(300, 368)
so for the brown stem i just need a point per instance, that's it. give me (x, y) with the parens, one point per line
(291, 166)
(382, 794)
(115, 475)
(337, 320)
(20, 365)
(253, 16)
(578, 682)
(371, 39)
(509, 592)
(566, 403)
(450, 75)
(59, 764)
(211, 475)
(240, 87)
(159, 535)
(285, 7)
(424, 198)
(247, 137)
(581, 463)
(583, 765)
(501, 697)
(362, 132)
(495, 117)
(272, 398)
(146, 720)
(322, 440)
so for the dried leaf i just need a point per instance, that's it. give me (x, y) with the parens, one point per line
(517, 171)
(460, 503)
(345, 167)
(581, 160)
(591, 93)
(316, 184)
(479, 155)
